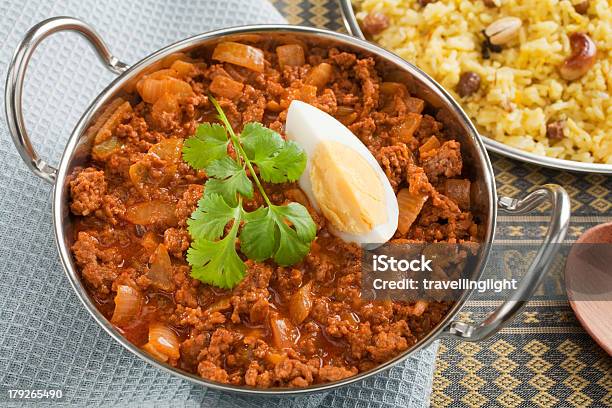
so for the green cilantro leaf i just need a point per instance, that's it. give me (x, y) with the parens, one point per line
(278, 160)
(258, 237)
(300, 218)
(207, 145)
(287, 165)
(216, 262)
(227, 179)
(208, 221)
(290, 249)
(260, 142)
(223, 168)
(283, 233)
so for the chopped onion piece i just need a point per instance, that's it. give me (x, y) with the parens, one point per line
(128, 303)
(168, 149)
(151, 89)
(283, 332)
(300, 304)
(226, 87)
(152, 212)
(184, 69)
(320, 75)
(410, 205)
(116, 112)
(166, 104)
(415, 105)
(240, 54)
(429, 146)
(105, 149)
(149, 348)
(290, 55)
(409, 126)
(393, 89)
(160, 269)
(164, 340)
(139, 173)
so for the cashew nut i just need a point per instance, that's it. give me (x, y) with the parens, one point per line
(584, 54)
(503, 30)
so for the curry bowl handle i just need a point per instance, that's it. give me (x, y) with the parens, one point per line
(16, 75)
(559, 223)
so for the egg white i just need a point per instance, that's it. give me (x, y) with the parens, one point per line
(308, 126)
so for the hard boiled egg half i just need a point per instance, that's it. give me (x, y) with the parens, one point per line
(343, 180)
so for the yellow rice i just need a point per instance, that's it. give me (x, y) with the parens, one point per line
(521, 88)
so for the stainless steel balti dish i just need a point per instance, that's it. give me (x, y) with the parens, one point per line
(78, 148)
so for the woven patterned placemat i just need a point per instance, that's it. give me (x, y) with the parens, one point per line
(543, 358)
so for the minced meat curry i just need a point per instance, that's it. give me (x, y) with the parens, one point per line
(280, 326)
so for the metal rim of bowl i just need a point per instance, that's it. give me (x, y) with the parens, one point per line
(352, 26)
(115, 85)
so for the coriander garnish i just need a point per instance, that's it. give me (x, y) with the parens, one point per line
(279, 232)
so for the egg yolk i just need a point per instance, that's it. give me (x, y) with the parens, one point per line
(347, 189)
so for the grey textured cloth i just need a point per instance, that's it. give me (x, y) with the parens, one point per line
(47, 338)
